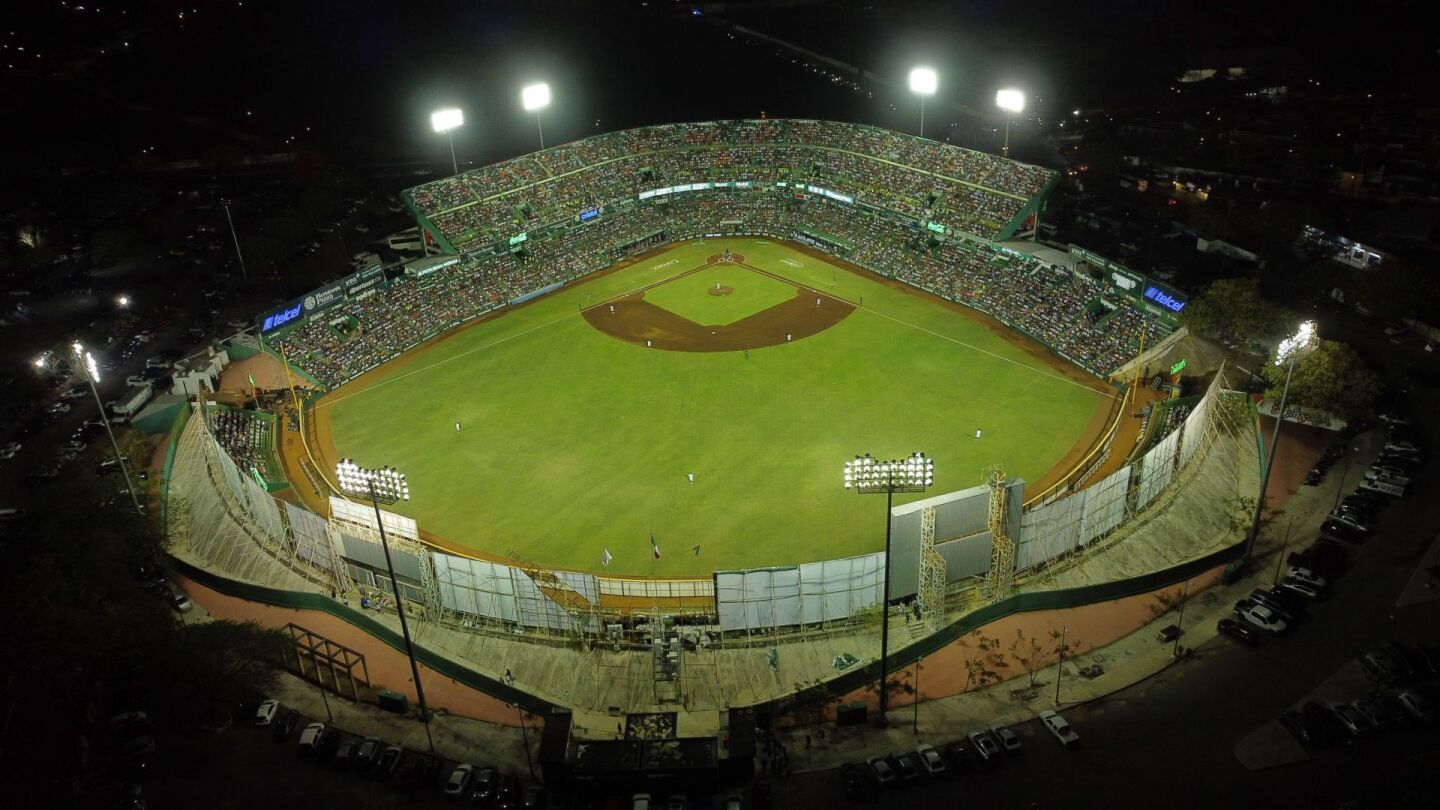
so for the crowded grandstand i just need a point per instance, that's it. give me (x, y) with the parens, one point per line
(917, 211)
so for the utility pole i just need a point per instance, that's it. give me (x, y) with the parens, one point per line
(245, 276)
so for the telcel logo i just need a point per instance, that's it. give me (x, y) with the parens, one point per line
(282, 317)
(1165, 300)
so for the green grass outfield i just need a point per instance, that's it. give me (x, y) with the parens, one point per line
(574, 442)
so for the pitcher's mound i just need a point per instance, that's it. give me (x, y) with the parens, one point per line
(720, 289)
(719, 258)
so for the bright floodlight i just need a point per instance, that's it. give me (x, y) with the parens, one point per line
(88, 361)
(447, 119)
(910, 474)
(923, 81)
(385, 485)
(1010, 100)
(1295, 343)
(535, 96)
(123, 300)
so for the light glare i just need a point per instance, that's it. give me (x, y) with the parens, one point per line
(1010, 100)
(924, 81)
(535, 96)
(1295, 343)
(447, 119)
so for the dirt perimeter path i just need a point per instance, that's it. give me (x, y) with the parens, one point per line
(322, 438)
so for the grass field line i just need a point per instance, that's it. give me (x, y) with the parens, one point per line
(958, 342)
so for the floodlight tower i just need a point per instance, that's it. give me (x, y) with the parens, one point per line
(536, 97)
(1011, 101)
(447, 121)
(870, 476)
(386, 484)
(1289, 351)
(923, 82)
(84, 363)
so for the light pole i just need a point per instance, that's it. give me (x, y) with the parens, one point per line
(238, 255)
(871, 476)
(1060, 669)
(525, 738)
(536, 97)
(1180, 620)
(84, 362)
(447, 121)
(386, 484)
(915, 719)
(1011, 101)
(1280, 561)
(1289, 350)
(923, 82)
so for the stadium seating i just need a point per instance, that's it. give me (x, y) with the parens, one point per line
(1074, 315)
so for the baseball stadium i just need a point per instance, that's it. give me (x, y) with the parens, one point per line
(610, 434)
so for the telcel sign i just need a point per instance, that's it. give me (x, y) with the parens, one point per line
(278, 319)
(1164, 299)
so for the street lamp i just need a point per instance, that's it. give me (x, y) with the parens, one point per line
(446, 121)
(871, 476)
(923, 82)
(386, 484)
(123, 301)
(536, 97)
(84, 362)
(1011, 101)
(1288, 351)
(238, 255)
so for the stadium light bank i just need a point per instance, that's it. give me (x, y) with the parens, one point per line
(1012, 101)
(387, 485)
(1288, 351)
(447, 121)
(871, 476)
(534, 98)
(923, 82)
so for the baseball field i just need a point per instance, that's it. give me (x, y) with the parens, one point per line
(571, 425)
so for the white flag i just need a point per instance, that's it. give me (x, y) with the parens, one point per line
(605, 557)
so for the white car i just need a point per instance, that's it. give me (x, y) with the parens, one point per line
(60, 407)
(1305, 575)
(1350, 520)
(1008, 739)
(884, 774)
(1403, 447)
(1061, 729)
(137, 380)
(1417, 705)
(459, 779)
(1300, 588)
(9, 449)
(265, 712)
(1262, 617)
(931, 760)
(310, 737)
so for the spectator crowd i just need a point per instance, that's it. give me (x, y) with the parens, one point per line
(245, 436)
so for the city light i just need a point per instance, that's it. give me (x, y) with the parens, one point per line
(535, 96)
(87, 360)
(384, 485)
(123, 301)
(1295, 342)
(1010, 100)
(447, 119)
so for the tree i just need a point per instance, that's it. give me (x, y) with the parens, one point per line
(1235, 310)
(1331, 377)
(983, 668)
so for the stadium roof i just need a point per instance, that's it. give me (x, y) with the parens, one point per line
(1059, 258)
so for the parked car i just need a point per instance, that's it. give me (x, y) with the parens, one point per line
(906, 766)
(1342, 531)
(389, 760)
(1007, 738)
(482, 786)
(345, 755)
(535, 798)
(1061, 729)
(881, 770)
(1350, 520)
(1417, 704)
(265, 712)
(1323, 724)
(959, 756)
(984, 746)
(1238, 630)
(507, 791)
(285, 725)
(407, 773)
(931, 760)
(1376, 713)
(1295, 586)
(1402, 447)
(1279, 605)
(1260, 616)
(1354, 721)
(459, 779)
(853, 778)
(1383, 667)
(310, 739)
(368, 752)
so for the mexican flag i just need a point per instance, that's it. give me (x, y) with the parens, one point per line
(654, 547)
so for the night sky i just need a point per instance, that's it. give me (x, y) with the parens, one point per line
(364, 75)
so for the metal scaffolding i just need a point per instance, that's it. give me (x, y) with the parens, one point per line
(1001, 576)
(931, 595)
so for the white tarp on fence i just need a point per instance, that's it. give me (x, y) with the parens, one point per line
(363, 514)
(1104, 505)
(1156, 469)
(1050, 530)
(813, 592)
